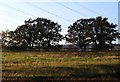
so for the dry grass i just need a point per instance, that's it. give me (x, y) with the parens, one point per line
(37, 65)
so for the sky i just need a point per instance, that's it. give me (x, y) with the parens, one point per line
(14, 13)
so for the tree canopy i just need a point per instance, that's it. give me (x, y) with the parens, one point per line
(37, 33)
(42, 33)
(95, 31)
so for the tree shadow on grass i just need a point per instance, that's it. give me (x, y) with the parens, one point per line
(81, 71)
(87, 71)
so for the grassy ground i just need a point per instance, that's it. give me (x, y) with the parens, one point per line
(60, 65)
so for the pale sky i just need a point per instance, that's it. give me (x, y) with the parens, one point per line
(14, 13)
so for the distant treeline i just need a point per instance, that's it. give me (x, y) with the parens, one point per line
(44, 34)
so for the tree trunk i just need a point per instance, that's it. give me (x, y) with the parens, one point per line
(38, 47)
(84, 48)
(48, 46)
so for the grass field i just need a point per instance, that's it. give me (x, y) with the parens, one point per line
(60, 65)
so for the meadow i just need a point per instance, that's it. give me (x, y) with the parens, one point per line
(61, 65)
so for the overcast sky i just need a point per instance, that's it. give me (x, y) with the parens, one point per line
(14, 13)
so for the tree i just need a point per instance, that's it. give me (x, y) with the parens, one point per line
(4, 38)
(48, 32)
(80, 33)
(7, 40)
(104, 33)
(24, 36)
(37, 33)
(97, 31)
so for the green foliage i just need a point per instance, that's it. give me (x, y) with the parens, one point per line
(4, 38)
(104, 33)
(96, 31)
(80, 33)
(37, 33)
(41, 33)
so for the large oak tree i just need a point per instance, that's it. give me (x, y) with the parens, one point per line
(96, 31)
(104, 33)
(37, 33)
